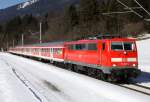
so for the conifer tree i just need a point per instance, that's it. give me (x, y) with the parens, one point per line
(89, 10)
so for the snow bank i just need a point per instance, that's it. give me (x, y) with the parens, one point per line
(11, 89)
(144, 54)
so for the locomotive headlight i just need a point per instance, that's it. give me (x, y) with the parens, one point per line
(134, 65)
(114, 65)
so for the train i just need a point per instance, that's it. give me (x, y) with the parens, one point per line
(112, 59)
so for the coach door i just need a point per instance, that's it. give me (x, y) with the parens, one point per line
(51, 52)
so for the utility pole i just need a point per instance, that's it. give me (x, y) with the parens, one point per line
(13, 43)
(22, 39)
(40, 32)
(7, 45)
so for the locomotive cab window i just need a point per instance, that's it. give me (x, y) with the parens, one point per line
(129, 46)
(116, 46)
(122, 46)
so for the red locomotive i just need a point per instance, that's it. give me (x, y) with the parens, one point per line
(110, 58)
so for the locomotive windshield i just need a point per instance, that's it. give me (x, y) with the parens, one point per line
(122, 46)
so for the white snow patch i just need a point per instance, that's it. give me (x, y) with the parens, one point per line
(143, 36)
(144, 54)
(25, 4)
(144, 61)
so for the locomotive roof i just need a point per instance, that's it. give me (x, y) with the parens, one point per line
(96, 40)
(102, 36)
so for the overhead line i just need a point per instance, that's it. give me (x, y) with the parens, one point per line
(142, 7)
(116, 12)
(129, 8)
(134, 8)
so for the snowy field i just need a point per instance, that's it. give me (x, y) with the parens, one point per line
(26, 80)
(144, 61)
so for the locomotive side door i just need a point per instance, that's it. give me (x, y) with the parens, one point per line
(103, 54)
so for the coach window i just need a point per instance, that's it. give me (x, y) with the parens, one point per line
(92, 46)
(59, 51)
(70, 47)
(54, 51)
(51, 50)
(103, 46)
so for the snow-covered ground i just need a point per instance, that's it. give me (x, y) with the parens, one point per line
(144, 61)
(144, 54)
(26, 80)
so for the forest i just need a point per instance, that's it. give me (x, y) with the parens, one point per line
(77, 20)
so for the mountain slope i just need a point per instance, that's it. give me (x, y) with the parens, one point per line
(35, 7)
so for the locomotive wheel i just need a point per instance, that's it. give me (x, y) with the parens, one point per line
(111, 78)
(76, 68)
(69, 67)
(100, 75)
(66, 66)
(91, 72)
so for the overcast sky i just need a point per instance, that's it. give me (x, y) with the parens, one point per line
(7, 3)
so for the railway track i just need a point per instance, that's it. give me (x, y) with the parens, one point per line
(131, 86)
(136, 87)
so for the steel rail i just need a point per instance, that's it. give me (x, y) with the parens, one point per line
(138, 88)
